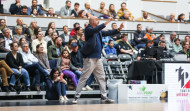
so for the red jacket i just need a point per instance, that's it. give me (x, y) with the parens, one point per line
(73, 32)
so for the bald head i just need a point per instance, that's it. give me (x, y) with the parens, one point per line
(93, 21)
(19, 21)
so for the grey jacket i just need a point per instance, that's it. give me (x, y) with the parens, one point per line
(59, 62)
(43, 60)
(65, 12)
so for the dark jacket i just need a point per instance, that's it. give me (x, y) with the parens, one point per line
(14, 9)
(76, 59)
(24, 30)
(139, 34)
(90, 37)
(14, 63)
(63, 38)
(39, 10)
(74, 12)
(52, 53)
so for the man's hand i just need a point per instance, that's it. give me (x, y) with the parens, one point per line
(121, 26)
(80, 69)
(139, 38)
(109, 20)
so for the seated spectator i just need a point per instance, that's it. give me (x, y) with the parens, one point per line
(24, 26)
(149, 35)
(81, 41)
(56, 88)
(65, 66)
(34, 12)
(110, 50)
(42, 57)
(75, 11)
(5, 41)
(36, 30)
(66, 10)
(15, 7)
(123, 46)
(24, 11)
(19, 34)
(122, 10)
(15, 62)
(65, 35)
(177, 46)
(172, 18)
(51, 13)
(105, 40)
(112, 12)
(35, 7)
(81, 14)
(4, 70)
(170, 41)
(39, 40)
(88, 9)
(185, 50)
(79, 33)
(73, 31)
(181, 18)
(2, 25)
(21, 42)
(126, 16)
(32, 27)
(163, 45)
(55, 50)
(52, 41)
(143, 54)
(115, 37)
(76, 60)
(139, 37)
(31, 64)
(187, 38)
(53, 27)
(68, 46)
(161, 37)
(145, 17)
(102, 8)
(48, 37)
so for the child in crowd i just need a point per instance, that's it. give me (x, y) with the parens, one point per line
(177, 46)
(110, 50)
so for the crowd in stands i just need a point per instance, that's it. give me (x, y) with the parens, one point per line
(30, 52)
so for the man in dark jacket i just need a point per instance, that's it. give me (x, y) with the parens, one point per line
(139, 37)
(92, 62)
(15, 7)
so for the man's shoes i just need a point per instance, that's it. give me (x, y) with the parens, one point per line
(12, 88)
(37, 88)
(88, 88)
(28, 88)
(61, 99)
(75, 100)
(107, 100)
(65, 97)
(84, 89)
(6, 89)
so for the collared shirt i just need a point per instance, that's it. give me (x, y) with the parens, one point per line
(28, 58)
(7, 42)
(66, 37)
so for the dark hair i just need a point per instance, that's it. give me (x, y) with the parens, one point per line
(56, 39)
(179, 17)
(61, 54)
(75, 24)
(36, 31)
(78, 28)
(177, 39)
(161, 35)
(21, 40)
(123, 35)
(68, 1)
(24, 7)
(183, 43)
(187, 36)
(49, 25)
(38, 45)
(110, 41)
(138, 25)
(12, 44)
(113, 23)
(65, 26)
(76, 4)
(55, 69)
(33, 10)
(123, 3)
(149, 41)
(80, 13)
(161, 42)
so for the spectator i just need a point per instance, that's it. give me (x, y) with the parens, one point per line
(56, 86)
(185, 50)
(3, 24)
(123, 47)
(170, 42)
(55, 50)
(42, 58)
(145, 17)
(126, 16)
(167, 53)
(177, 46)
(19, 34)
(24, 11)
(187, 38)
(52, 41)
(33, 26)
(81, 41)
(34, 12)
(15, 62)
(24, 26)
(110, 50)
(21, 42)
(79, 33)
(31, 64)
(73, 31)
(35, 7)
(48, 37)
(66, 10)
(39, 40)
(65, 36)
(88, 9)
(139, 37)
(36, 30)
(115, 37)
(161, 37)
(81, 14)
(76, 10)
(15, 7)
(172, 18)
(122, 10)
(65, 66)
(149, 35)
(181, 18)
(69, 45)
(5, 41)
(102, 8)
(112, 11)
(4, 70)
(53, 27)
(51, 13)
